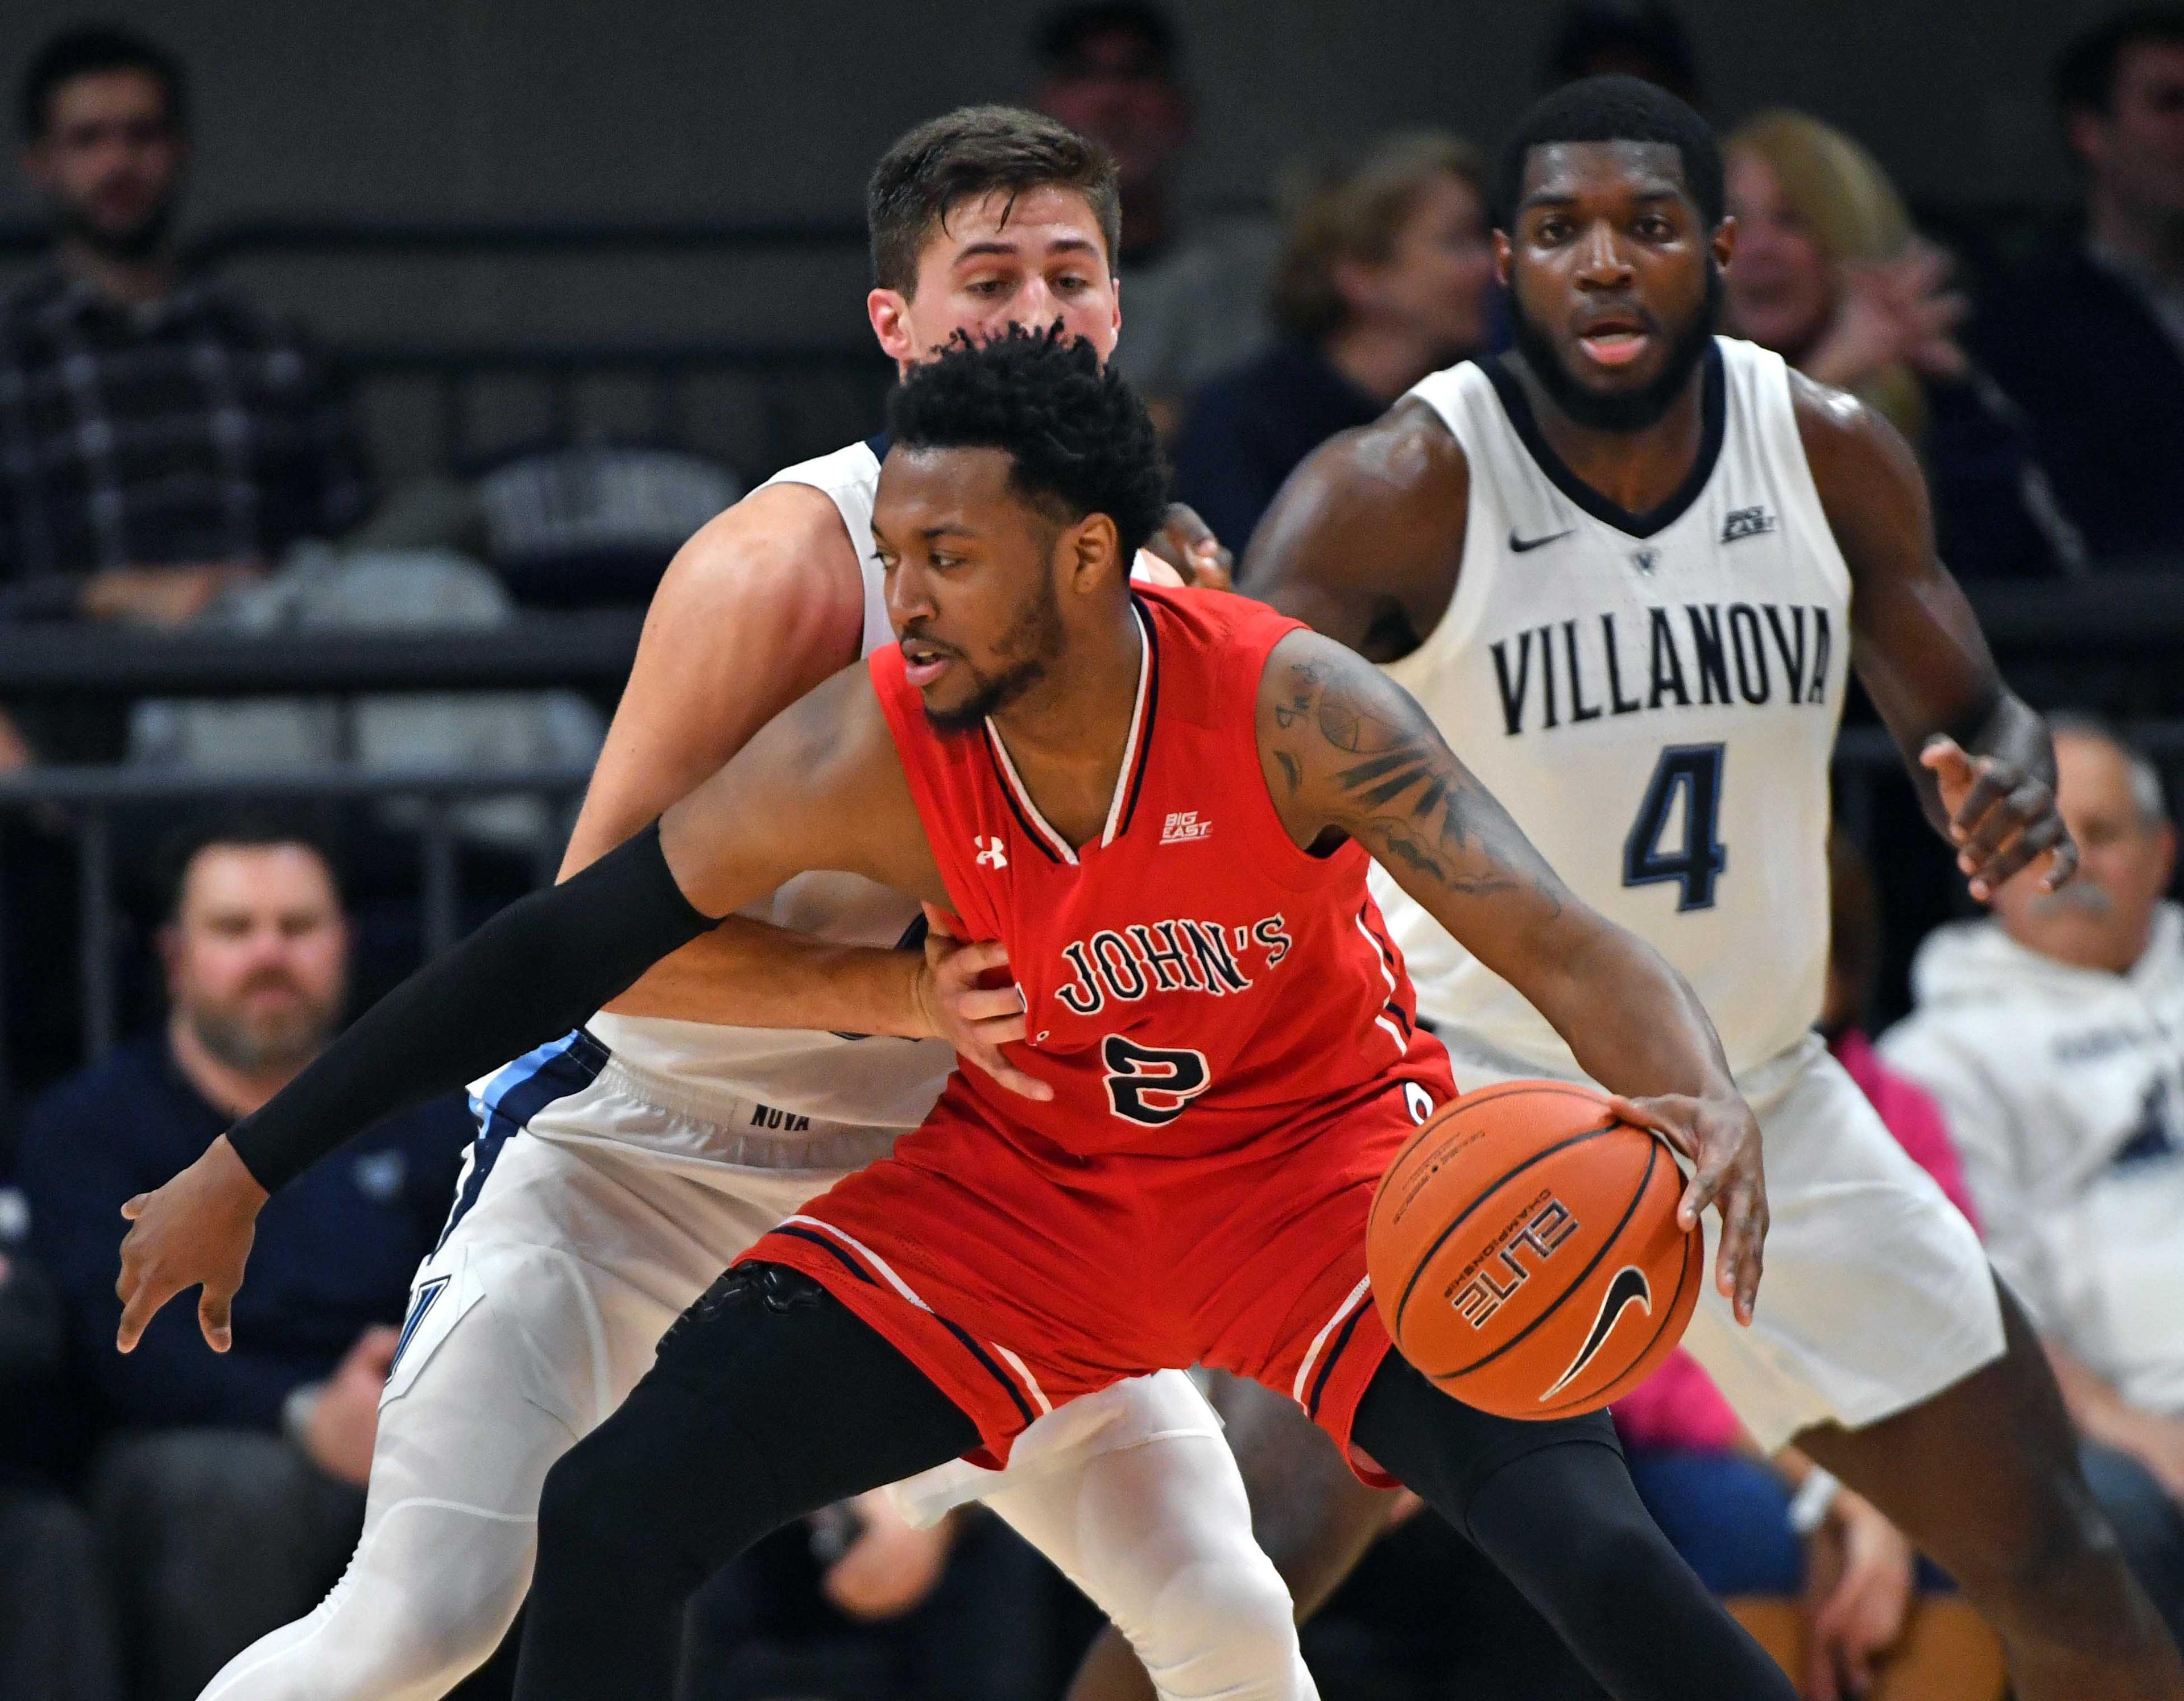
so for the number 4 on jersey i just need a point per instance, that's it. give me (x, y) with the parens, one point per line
(1694, 772)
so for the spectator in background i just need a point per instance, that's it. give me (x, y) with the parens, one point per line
(231, 1503)
(57, 1632)
(1111, 69)
(1829, 273)
(1637, 38)
(2054, 1036)
(160, 436)
(2089, 338)
(1385, 274)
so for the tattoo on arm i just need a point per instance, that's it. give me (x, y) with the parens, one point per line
(1398, 788)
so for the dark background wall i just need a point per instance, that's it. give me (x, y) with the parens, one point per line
(668, 109)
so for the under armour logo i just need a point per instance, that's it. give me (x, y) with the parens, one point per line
(1645, 560)
(991, 852)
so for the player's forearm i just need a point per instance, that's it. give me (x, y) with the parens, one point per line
(529, 975)
(747, 974)
(1633, 1023)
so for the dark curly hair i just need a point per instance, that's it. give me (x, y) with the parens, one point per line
(1080, 438)
(1613, 109)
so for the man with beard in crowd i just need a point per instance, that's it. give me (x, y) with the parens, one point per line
(232, 1496)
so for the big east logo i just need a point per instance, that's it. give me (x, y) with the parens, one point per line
(1529, 1241)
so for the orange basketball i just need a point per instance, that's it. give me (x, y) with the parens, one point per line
(1524, 1252)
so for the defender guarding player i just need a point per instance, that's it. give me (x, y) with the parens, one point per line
(1221, 1037)
(619, 1169)
(1632, 563)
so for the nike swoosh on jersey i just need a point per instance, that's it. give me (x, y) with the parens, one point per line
(1518, 545)
(1629, 1288)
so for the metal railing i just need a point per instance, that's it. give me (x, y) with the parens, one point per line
(88, 799)
(2131, 622)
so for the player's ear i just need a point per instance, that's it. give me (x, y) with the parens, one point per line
(1502, 252)
(1094, 553)
(1725, 240)
(888, 310)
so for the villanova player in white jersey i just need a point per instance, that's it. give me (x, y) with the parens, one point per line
(619, 1170)
(1627, 567)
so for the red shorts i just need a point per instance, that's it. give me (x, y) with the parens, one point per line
(1018, 1276)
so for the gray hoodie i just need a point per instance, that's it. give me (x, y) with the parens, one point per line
(2064, 1090)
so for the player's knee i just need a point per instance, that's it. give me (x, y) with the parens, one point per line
(1222, 1625)
(598, 1501)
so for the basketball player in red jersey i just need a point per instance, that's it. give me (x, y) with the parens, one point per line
(1646, 477)
(1161, 806)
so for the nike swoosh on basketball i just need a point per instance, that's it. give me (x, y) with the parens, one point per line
(1629, 1288)
(1519, 546)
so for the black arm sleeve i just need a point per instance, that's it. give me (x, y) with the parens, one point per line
(529, 975)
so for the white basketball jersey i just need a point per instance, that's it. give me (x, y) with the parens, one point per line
(870, 1082)
(1653, 697)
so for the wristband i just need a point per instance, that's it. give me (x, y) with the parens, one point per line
(1810, 1505)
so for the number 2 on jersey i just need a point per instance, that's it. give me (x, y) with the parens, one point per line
(1692, 772)
(1150, 1085)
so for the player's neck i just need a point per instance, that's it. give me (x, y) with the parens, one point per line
(1068, 735)
(1637, 471)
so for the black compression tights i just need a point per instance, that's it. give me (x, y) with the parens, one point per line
(1551, 1505)
(769, 1400)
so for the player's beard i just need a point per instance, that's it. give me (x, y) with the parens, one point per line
(1029, 648)
(1629, 411)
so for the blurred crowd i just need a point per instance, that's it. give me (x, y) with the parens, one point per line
(175, 457)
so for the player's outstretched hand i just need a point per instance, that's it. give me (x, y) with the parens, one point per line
(960, 1007)
(195, 1231)
(1186, 544)
(2002, 817)
(1721, 1138)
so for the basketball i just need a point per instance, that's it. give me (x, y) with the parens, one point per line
(1524, 1250)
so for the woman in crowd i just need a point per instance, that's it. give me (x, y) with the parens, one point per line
(1386, 273)
(1830, 274)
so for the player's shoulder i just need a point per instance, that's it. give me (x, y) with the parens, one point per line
(1845, 436)
(782, 538)
(1403, 481)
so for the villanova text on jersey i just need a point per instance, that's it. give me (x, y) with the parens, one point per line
(1704, 653)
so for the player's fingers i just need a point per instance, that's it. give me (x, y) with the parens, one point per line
(1751, 1250)
(1664, 1115)
(1001, 1031)
(140, 1307)
(1944, 758)
(978, 1004)
(959, 972)
(213, 1305)
(1992, 782)
(132, 1208)
(2027, 801)
(1007, 1074)
(2036, 840)
(2065, 867)
(939, 923)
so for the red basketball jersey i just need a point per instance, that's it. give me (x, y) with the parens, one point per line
(1193, 980)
